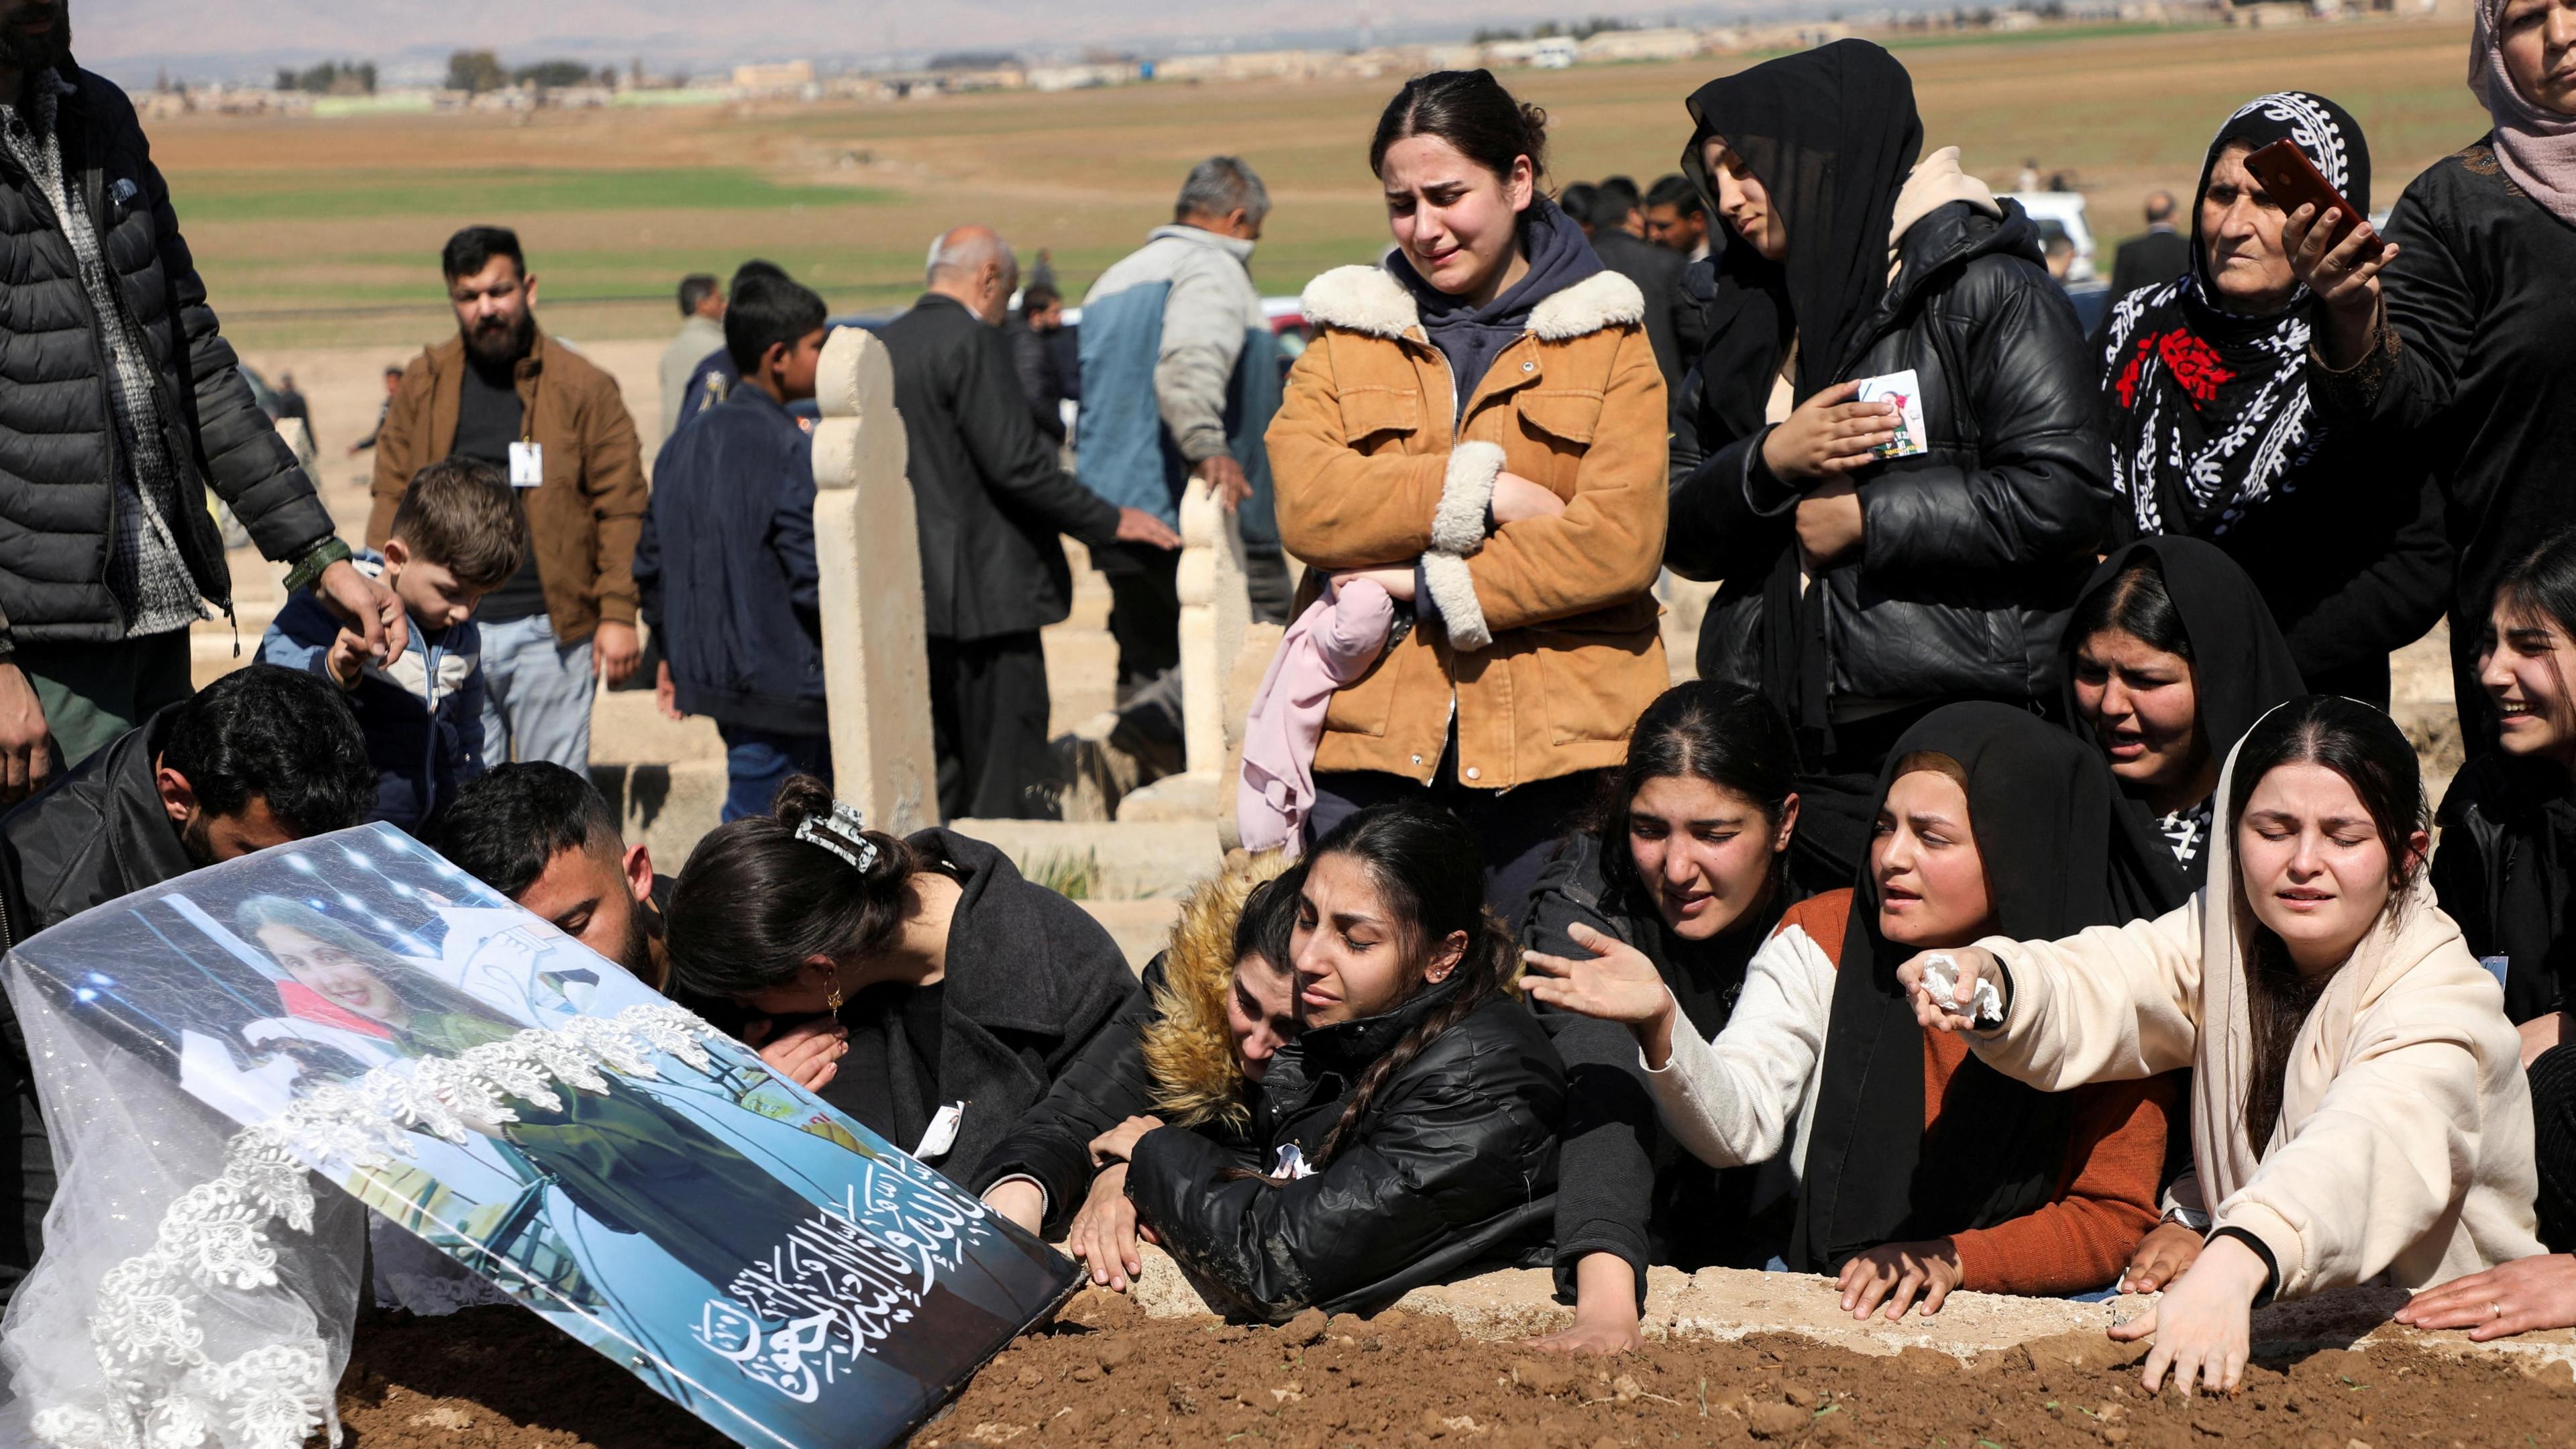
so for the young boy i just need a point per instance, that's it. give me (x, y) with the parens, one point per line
(725, 570)
(458, 534)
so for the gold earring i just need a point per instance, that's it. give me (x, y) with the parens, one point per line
(833, 1001)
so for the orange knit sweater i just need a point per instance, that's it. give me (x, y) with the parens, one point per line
(2106, 1193)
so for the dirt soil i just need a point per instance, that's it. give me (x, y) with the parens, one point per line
(1107, 1375)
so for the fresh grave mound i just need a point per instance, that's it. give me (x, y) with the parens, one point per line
(1107, 1375)
(498, 1378)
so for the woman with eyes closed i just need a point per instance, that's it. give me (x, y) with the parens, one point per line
(1417, 1142)
(1862, 590)
(2171, 657)
(2358, 1106)
(1681, 876)
(1919, 1170)
(1478, 427)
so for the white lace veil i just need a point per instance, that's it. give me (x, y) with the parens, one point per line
(198, 1284)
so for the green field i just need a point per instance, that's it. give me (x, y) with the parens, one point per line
(326, 231)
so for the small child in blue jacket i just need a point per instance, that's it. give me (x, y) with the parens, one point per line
(458, 534)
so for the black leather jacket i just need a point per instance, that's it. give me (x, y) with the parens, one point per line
(1973, 551)
(1453, 1165)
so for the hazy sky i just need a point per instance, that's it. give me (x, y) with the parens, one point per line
(209, 37)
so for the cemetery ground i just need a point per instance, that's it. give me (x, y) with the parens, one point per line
(1732, 1359)
(318, 240)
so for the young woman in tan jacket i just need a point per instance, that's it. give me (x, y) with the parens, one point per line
(1479, 426)
(2359, 1111)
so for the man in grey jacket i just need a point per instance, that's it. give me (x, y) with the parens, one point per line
(1180, 377)
(702, 309)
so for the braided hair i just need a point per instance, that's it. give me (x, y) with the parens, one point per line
(758, 898)
(1430, 875)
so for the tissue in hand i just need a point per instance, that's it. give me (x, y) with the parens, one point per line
(1941, 978)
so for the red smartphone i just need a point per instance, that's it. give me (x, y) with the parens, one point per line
(2291, 179)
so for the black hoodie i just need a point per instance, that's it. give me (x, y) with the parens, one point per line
(1470, 336)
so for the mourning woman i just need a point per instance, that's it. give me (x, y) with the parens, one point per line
(1682, 871)
(2171, 655)
(1862, 590)
(1219, 1003)
(1418, 1142)
(921, 985)
(2358, 1106)
(2506, 871)
(2214, 434)
(2459, 329)
(1479, 425)
(1919, 1170)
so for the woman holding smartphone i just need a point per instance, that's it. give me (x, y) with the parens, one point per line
(2214, 435)
(2457, 328)
(1860, 590)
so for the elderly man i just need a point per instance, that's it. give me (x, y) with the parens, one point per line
(504, 392)
(120, 404)
(991, 501)
(1180, 378)
(2155, 258)
(702, 309)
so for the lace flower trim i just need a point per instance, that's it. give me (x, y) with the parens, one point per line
(157, 1387)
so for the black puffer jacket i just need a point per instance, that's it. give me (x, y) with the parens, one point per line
(1973, 551)
(58, 449)
(1453, 1164)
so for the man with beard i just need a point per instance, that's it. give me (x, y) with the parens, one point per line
(546, 838)
(260, 757)
(120, 404)
(504, 392)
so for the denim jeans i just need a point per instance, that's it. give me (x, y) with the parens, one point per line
(536, 695)
(758, 761)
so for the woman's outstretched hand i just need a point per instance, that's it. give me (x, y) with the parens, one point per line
(2344, 277)
(1829, 435)
(1957, 1011)
(1890, 1277)
(1103, 1234)
(2203, 1326)
(1617, 984)
(2509, 1298)
(2163, 1256)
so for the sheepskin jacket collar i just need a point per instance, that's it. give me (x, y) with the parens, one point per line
(1189, 1053)
(1369, 300)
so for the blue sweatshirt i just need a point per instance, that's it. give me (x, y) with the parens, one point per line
(422, 714)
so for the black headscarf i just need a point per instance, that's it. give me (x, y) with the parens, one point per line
(2209, 410)
(2241, 668)
(2040, 804)
(1831, 134)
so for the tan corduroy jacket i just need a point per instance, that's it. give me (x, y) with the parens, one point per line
(1550, 650)
(584, 519)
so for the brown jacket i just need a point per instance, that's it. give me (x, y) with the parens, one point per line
(584, 519)
(1370, 472)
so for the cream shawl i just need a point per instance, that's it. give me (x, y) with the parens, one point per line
(2404, 1148)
